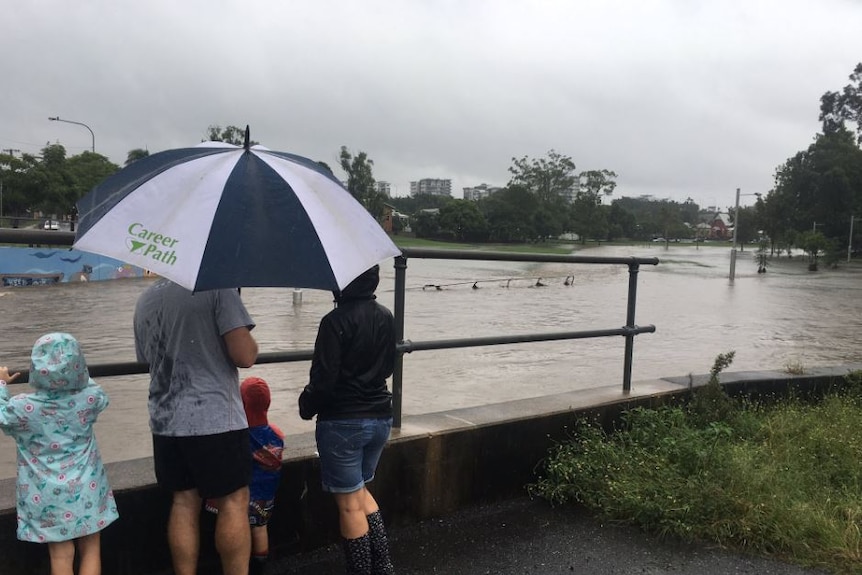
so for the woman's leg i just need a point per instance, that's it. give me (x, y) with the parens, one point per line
(62, 555)
(90, 549)
(351, 513)
(381, 561)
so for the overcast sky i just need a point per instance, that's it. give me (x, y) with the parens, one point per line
(680, 98)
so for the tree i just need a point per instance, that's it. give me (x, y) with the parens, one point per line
(549, 178)
(135, 155)
(13, 174)
(593, 184)
(85, 171)
(821, 185)
(228, 134)
(813, 243)
(837, 108)
(360, 181)
(621, 222)
(509, 214)
(464, 220)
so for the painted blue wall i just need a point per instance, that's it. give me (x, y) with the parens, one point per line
(75, 265)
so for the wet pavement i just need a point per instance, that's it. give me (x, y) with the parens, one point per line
(526, 536)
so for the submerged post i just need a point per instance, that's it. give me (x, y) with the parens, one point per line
(397, 381)
(733, 248)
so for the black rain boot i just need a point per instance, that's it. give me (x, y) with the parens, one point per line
(357, 555)
(381, 563)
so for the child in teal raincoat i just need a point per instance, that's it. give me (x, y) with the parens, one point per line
(64, 498)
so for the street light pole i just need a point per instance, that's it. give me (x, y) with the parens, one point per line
(849, 240)
(92, 135)
(735, 228)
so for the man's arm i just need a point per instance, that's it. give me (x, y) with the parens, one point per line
(241, 346)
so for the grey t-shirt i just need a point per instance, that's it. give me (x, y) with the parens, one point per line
(194, 384)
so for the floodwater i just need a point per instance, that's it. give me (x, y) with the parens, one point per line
(786, 317)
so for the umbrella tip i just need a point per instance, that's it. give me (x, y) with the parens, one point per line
(247, 139)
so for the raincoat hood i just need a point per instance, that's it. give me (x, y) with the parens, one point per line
(57, 364)
(362, 287)
(255, 400)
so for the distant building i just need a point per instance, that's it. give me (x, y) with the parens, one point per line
(715, 225)
(394, 221)
(479, 192)
(431, 186)
(384, 188)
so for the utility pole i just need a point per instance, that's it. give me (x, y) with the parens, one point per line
(10, 151)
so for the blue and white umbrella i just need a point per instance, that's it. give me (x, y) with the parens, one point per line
(218, 216)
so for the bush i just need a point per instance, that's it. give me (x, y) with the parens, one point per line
(783, 479)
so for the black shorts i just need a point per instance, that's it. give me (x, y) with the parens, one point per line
(215, 465)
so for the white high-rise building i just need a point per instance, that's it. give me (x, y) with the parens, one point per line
(476, 193)
(431, 186)
(384, 188)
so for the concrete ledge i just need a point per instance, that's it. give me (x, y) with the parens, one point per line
(434, 465)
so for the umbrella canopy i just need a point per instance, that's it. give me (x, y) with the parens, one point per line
(218, 216)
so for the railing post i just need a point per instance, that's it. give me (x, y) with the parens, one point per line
(634, 268)
(397, 379)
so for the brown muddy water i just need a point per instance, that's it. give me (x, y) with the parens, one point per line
(786, 317)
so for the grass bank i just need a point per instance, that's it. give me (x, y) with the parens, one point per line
(782, 478)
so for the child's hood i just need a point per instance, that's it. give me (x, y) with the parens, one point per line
(57, 364)
(255, 399)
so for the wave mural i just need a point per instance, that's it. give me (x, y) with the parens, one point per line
(20, 267)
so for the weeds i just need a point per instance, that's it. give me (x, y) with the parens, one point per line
(783, 479)
(794, 368)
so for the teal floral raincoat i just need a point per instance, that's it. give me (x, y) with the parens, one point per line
(63, 491)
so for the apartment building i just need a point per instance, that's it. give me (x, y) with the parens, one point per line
(479, 192)
(432, 186)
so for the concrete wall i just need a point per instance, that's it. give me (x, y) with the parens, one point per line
(434, 465)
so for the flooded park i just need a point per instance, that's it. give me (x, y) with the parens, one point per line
(787, 318)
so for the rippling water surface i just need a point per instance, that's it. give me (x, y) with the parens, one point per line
(787, 316)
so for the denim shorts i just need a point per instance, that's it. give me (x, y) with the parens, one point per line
(349, 451)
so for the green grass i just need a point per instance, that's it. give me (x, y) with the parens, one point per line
(781, 479)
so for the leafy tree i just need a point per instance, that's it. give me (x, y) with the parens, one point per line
(837, 108)
(85, 171)
(360, 181)
(47, 182)
(593, 184)
(509, 214)
(463, 220)
(584, 219)
(135, 155)
(761, 257)
(549, 178)
(13, 174)
(621, 222)
(814, 244)
(822, 184)
(426, 224)
(229, 135)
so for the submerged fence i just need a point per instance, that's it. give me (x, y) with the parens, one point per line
(405, 346)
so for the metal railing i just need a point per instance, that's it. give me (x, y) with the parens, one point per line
(628, 331)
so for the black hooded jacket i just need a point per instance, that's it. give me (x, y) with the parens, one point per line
(354, 353)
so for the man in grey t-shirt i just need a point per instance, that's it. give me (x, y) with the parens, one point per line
(193, 343)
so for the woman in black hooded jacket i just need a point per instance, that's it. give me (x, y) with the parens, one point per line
(354, 354)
